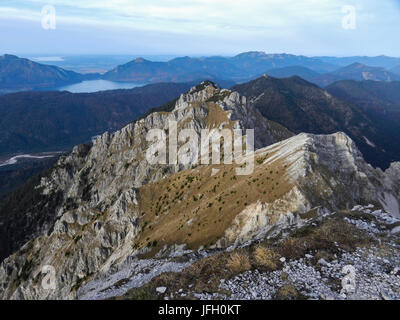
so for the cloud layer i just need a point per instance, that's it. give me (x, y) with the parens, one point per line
(219, 26)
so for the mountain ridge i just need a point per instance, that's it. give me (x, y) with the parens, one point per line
(106, 205)
(381, 61)
(287, 72)
(356, 71)
(304, 107)
(236, 113)
(240, 68)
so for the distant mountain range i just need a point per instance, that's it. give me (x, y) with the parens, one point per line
(396, 70)
(286, 72)
(177, 70)
(258, 62)
(17, 74)
(250, 65)
(355, 71)
(358, 72)
(378, 61)
(240, 68)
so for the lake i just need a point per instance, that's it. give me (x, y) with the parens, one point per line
(89, 86)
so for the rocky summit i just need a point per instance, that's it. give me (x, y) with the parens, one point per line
(113, 225)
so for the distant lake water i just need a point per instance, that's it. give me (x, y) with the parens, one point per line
(89, 86)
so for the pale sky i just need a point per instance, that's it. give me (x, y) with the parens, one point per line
(200, 27)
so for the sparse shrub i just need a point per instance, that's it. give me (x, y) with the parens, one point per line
(266, 258)
(292, 248)
(327, 256)
(239, 262)
(324, 238)
(288, 292)
(146, 292)
(343, 233)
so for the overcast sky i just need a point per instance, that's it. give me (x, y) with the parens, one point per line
(200, 27)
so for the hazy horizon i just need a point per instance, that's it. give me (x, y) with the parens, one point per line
(165, 57)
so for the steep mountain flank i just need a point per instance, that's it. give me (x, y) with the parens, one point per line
(379, 99)
(28, 212)
(303, 175)
(304, 107)
(11, 177)
(51, 121)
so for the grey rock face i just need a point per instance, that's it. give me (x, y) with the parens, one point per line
(97, 220)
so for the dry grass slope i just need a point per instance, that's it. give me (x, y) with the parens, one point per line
(196, 208)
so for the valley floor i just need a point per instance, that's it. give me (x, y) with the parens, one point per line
(8, 161)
